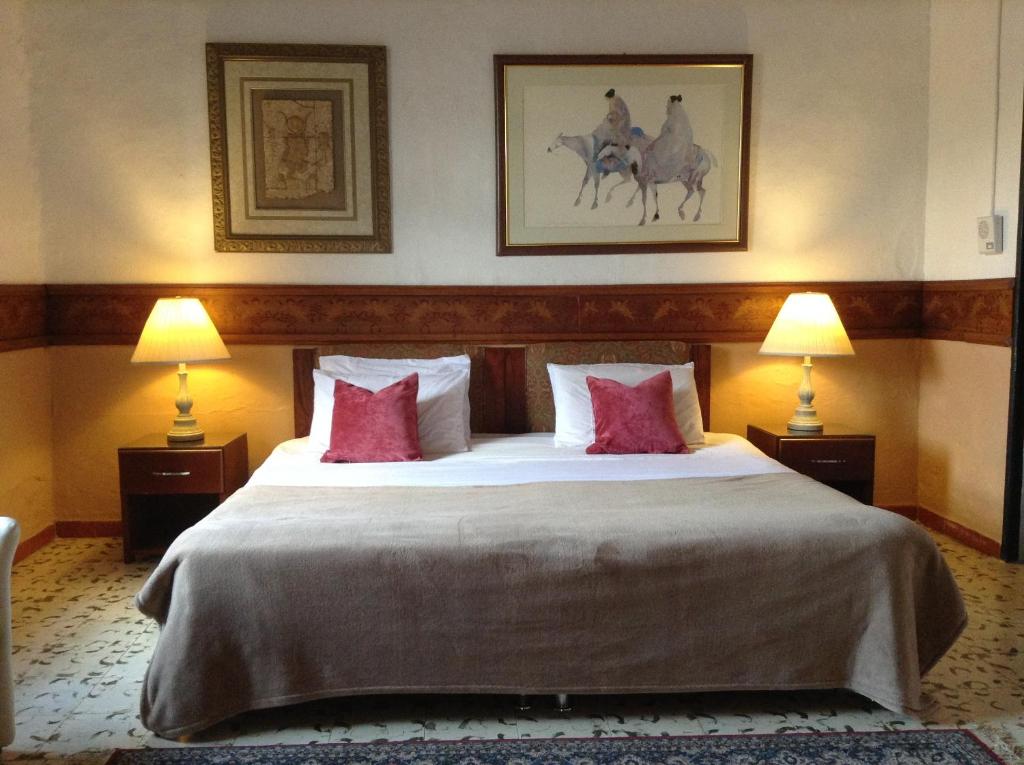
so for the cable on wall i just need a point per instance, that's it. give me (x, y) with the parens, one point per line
(998, 68)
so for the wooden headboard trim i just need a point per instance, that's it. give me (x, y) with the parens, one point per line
(303, 364)
(504, 387)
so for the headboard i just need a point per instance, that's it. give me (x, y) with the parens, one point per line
(509, 388)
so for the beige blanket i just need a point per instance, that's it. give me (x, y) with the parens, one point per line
(757, 582)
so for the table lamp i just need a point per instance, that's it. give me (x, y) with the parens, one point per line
(177, 331)
(808, 325)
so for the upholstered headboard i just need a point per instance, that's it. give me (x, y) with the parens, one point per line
(509, 389)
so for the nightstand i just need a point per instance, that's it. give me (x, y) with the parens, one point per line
(842, 458)
(167, 487)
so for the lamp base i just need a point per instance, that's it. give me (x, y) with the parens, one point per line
(185, 426)
(805, 425)
(185, 429)
(805, 418)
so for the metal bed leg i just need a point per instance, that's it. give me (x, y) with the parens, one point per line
(524, 703)
(562, 702)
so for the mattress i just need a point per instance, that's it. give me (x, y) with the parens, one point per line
(523, 568)
(523, 458)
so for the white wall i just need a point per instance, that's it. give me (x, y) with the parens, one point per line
(961, 460)
(21, 260)
(119, 121)
(966, 164)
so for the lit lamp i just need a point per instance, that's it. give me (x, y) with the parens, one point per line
(807, 325)
(177, 331)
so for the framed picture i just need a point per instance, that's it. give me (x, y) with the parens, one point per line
(299, 148)
(622, 154)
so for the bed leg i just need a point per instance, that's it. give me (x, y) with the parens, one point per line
(562, 702)
(524, 703)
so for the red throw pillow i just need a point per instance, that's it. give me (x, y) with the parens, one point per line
(375, 427)
(635, 420)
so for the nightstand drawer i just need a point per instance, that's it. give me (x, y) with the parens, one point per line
(850, 459)
(171, 472)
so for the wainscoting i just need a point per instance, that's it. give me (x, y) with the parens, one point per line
(977, 312)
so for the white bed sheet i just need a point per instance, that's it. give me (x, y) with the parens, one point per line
(512, 459)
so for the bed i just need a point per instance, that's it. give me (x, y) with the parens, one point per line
(524, 568)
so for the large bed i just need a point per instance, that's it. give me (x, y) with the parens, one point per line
(523, 567)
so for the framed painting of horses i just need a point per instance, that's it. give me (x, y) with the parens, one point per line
(622, 154)
(299, 147)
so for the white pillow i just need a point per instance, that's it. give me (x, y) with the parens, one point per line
(350, 368)
(442, 405)
(339, 365)
(574, 412)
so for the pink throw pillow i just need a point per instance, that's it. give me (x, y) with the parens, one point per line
(635, 419)
(375, 427)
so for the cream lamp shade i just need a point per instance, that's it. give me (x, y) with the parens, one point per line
(807, 325)
(177, 331)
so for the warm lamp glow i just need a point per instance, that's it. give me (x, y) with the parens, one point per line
(807, 325)
(179, 330)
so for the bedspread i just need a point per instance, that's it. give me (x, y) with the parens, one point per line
(773, 581)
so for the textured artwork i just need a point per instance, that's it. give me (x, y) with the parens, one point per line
(616, 154)
(298, 139)
(299, 164)
(299, 148)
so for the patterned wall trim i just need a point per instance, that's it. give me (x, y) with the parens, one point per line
(975, 311)
(978, 311)
(283, 314)
(22, 316)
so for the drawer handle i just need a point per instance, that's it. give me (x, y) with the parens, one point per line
(172, 473)
(829, 462)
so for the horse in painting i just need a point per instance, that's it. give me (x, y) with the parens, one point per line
(598, 165)
(673, 156)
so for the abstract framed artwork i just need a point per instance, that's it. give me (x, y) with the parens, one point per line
(622, 154)
(299, 148)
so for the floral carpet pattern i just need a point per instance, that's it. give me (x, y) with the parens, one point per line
(81, 649)
(931, 747)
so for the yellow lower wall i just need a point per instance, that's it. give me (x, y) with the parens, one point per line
(874, 391)
(103, 401)
(26, 458)
(962, 416)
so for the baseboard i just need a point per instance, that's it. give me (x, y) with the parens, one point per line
(34, 543)
(957, 531)
(907, 511)
(960, 533)
(88, 529)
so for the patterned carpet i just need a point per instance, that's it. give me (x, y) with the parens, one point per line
(81, 649)
(906, 748)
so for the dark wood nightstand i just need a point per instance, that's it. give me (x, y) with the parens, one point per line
(842, 458)
(167, 487)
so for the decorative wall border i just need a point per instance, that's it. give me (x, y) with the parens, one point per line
(283, 314)
(977, 311)
(22, 316)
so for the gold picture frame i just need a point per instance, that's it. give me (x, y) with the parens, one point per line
(299, 156)
(674, 125)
